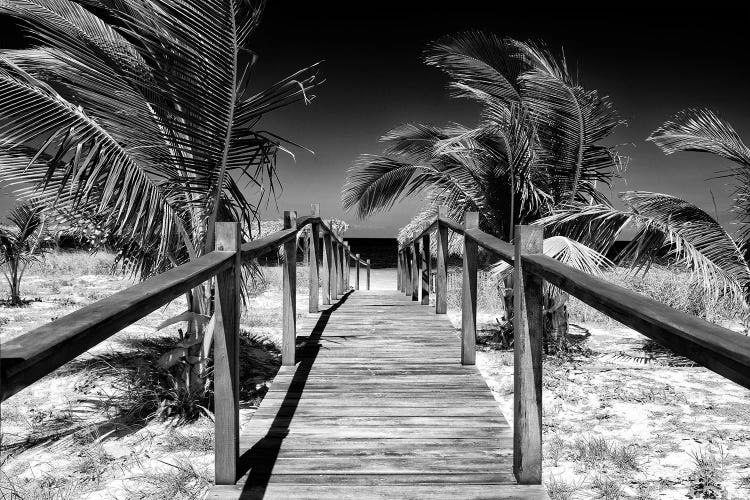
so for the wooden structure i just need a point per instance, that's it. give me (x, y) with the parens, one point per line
(718, 349)
(377, 407)
(381, 399)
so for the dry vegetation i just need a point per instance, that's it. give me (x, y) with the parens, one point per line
(84, 431)
(623, 418)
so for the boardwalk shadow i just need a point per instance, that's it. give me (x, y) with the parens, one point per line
(261, 458)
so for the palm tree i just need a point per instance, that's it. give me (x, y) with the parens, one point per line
(22, 242)
(139, 115)
(538, 143)
(665, 223)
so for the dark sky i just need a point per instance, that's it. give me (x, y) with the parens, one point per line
(652, 61)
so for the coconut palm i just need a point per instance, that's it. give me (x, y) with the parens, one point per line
(140, 116)
(538, 143)
(22, 242)
(667, 224)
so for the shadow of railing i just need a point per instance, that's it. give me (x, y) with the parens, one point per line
(261, 458)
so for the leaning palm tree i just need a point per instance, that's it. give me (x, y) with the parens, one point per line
(538, 143)
(139, 115)
(24, 241)
(667, 224)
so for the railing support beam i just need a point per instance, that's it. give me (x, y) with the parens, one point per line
(469, 293)
(314, 290)
(226, 357)
(368, 274)
(441, 278)
(528, 330)
(416, 264)
(425, 258)
(289, 295)
(328, 291)
(356, 276)
(398, 269)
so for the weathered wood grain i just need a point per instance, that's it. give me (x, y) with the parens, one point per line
(528, 330)
(315, 260)
(378, 406)
(227, 356)
(425, 269)
(441, 277)
(469, 293)
(289, 295)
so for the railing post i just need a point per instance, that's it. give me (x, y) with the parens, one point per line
(335, 291)
(469, 293)
(528, 329)
(341, 267)
(327, 268)
(347, 266)
(415, 267)
(398, 269)
(314, 290)
(289, 294)
(406, 290)
(226, 357)
(441, 278)
(404, 270)
(426, 269)
(356, 276)
(368, 274)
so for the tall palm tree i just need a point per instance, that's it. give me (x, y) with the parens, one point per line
(665, 223)
(139, 115)
(23, 241)
(538, 143)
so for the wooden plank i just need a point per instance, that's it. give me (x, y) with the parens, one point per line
(31, 356)
(441, 278)
(227, 356)
(378, 399)
(482, 491)
(528, 330)
(289, 295)
(469, 294)
(315, 259)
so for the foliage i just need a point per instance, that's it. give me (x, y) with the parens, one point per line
(145, 119)
(23, 242)
(688, 234)
(537, 145)
(136, 120)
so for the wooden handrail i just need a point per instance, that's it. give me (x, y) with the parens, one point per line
(716, 348)
(31, 356)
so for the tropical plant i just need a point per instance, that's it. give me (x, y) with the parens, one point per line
(538, 143)
(667, 225)
(139, 115)
(22, 242)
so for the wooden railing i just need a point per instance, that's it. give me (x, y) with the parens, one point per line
(31, 356)
(718, 349)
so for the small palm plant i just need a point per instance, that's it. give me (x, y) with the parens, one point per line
(539, 143)
(22, 242)
(141, 116)
(667, 224)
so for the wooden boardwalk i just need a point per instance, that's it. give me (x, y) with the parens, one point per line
(378, 406)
